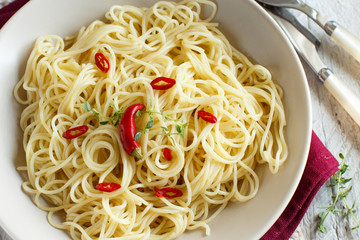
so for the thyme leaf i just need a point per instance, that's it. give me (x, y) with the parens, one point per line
(149, 124)
(137, 136)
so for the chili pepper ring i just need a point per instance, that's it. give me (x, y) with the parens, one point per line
(75, 132)
(168, 192)
(167, 154)
(208, 117)
(169, 82)
(101, 62)
(108, 186)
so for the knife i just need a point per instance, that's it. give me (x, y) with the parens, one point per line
(347, 40)
(308, 51)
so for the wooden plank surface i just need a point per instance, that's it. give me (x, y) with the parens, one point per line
(330, 122)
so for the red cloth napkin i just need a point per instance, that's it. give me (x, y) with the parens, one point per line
(321, 165)
(9, 10)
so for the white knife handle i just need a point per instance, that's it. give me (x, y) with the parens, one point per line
(349, 101)
(344, 38)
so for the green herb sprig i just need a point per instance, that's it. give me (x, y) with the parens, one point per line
(114, 119)
(339, 202)
(180, 127)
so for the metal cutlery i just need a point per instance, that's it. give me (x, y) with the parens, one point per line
(339, 34)
(306, 44)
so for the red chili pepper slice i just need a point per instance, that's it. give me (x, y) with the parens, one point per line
(156, 83)
(101, 62)
(127, 131)
(108, 187)
(207, 116)
(167, 154)
(75, 132)
(164, 192)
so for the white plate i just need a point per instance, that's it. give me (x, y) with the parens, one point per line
(247, 26)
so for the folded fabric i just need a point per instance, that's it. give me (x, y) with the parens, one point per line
(321, 165)
(9, 10)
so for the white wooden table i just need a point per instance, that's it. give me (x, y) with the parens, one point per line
(330, 122)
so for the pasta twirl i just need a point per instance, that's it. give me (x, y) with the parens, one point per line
(211, 163)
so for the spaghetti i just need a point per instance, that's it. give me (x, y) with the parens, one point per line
(155, 197)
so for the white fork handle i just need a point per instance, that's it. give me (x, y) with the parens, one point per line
(344, 38)
(349, 101)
